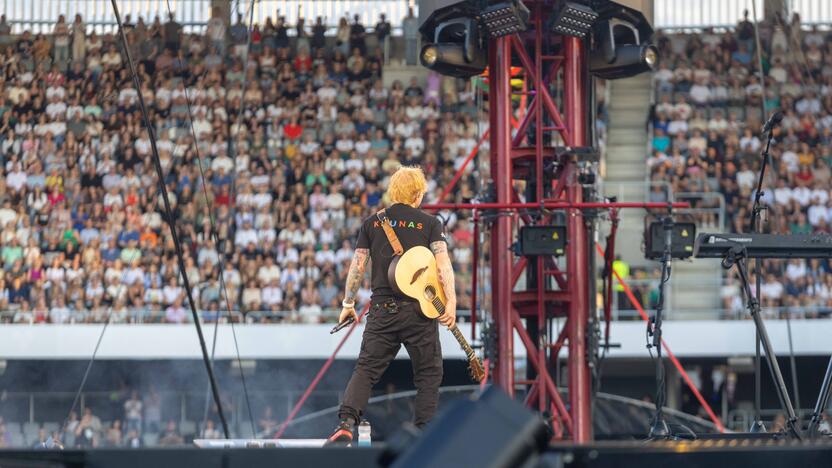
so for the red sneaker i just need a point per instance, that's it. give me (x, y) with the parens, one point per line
(341, 436)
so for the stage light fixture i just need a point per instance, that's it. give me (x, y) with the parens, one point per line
(574, 19)
(505, 17)
(621, 46)
(456, 49)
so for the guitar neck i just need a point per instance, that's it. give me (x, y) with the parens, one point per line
(460, 338)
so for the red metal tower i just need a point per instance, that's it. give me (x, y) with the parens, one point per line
(524, 156)
(557, 91)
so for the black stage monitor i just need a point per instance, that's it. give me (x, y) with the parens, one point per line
(542, 240)
(681, 240)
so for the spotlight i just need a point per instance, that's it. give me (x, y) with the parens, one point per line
(622, 45)
(456, 48)
(574, 19)
(504, 18)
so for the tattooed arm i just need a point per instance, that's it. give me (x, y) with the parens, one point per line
(446, 279)
(354, 278)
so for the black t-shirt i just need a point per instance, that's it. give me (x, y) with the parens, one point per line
(413, 227)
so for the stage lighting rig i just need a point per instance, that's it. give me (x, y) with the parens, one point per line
(574, 19)
(621, 46)
(451, 33)
(456, 50)
(505, 17)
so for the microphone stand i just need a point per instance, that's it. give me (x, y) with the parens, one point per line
(756, 227)
(659, 428)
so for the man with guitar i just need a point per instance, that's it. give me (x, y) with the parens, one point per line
(394, 318)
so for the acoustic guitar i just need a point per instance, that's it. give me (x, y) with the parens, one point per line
(415, 275)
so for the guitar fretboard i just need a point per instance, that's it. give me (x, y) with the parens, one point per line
(460, 338)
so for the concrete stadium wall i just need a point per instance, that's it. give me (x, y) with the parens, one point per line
(686, 338)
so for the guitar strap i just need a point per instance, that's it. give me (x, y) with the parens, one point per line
(390, 233)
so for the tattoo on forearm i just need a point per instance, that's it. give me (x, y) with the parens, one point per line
(439, 247)
(356, 273)
(445, 270)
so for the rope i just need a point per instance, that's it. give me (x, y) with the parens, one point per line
(670, 355)
(160, 174)
(320, 375)
(220, 257)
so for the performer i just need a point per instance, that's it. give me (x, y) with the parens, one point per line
(393, 319)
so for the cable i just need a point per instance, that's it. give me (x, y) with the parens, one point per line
(94, 353)
(170, 221)
(220, 256)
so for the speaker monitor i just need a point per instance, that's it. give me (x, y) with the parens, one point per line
(492, 431)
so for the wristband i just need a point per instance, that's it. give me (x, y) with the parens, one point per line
(345, 303)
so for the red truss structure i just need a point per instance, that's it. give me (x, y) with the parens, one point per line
(555, 290)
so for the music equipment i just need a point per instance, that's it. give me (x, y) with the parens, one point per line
(493, 431)
(681, 241)
(414, 274)
(709, 245)
(773, 121)
(542, 240)
(342, 325)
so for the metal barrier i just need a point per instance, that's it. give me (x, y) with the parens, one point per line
(39, 16)
(695, 14)
(142, 316)
(698, 14)
(709, 198)
(813, 12)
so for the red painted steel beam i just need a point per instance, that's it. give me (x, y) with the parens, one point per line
(551, 205)
(678, 365)
(548, 384)
(580, 378)
(500, 116)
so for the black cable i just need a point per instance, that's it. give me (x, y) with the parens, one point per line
(94, 354)
(170, 221)
(220, 256)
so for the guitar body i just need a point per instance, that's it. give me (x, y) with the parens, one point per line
(414, 274)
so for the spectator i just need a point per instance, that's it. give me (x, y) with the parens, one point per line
(133, 412)
(410, 29)
(211, 432)
(171, 436)
(88, 431)
(61, 41)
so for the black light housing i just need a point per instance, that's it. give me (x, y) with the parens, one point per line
(621, 45)
(502, 18)
(574, 19)
(453, 45)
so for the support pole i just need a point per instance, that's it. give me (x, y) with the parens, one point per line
(499, 62)
(575, 92)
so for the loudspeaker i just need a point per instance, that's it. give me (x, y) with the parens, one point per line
(492, 431)
(681, 240)
(542, 240)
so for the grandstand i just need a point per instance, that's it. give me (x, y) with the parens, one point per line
(278, 139)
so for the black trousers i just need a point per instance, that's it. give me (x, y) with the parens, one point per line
(388, 327)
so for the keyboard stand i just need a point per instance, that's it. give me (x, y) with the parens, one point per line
(736, 256)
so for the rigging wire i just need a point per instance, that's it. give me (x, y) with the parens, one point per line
(215, 238)
(170, 221)
(90, 363)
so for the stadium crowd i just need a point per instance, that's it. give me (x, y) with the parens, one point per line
(706, 138)
(271, 158)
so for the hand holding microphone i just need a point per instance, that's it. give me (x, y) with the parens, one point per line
(346, 318)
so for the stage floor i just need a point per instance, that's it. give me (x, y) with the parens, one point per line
(705, 453)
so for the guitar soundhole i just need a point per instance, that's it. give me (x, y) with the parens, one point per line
(430, 293)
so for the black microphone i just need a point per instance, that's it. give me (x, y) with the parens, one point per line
(342, 325)
(773, 121)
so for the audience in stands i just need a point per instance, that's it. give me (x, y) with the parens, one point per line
(269, 164)
(706, 124)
